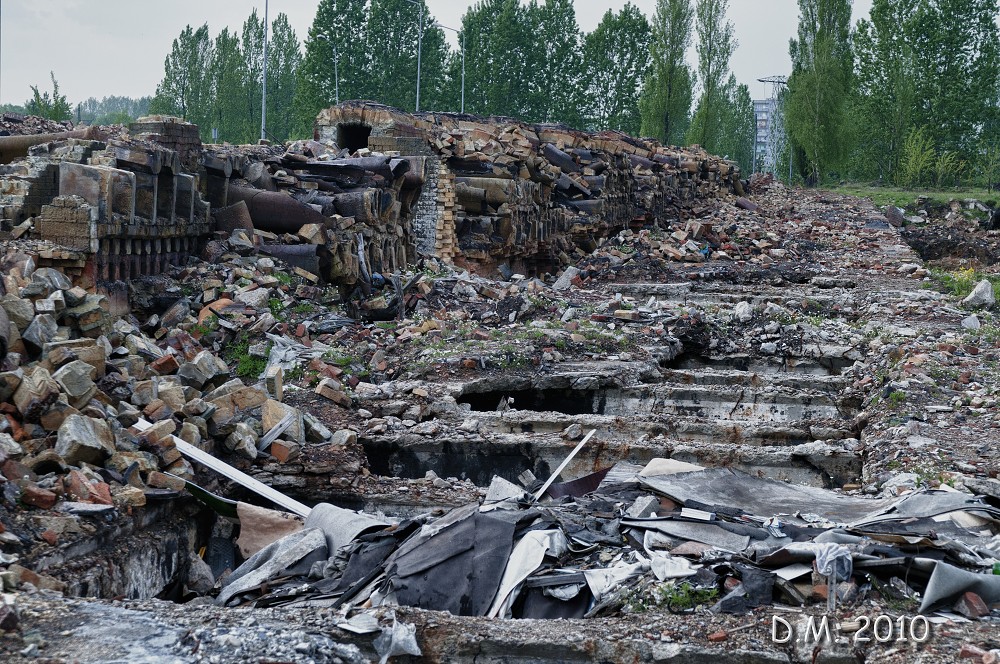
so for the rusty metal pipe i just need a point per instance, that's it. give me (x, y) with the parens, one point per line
(275, 212)
(14, 147)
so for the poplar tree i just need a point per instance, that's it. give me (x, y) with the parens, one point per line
(556, 79)
(884, 100)
(336, 34)
(666, 98)
(822, 64)
(616, 57)
(185, 90)
(284, 59)
(716, 44)
(392, 39)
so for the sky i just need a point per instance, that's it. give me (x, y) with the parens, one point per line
(117, 47)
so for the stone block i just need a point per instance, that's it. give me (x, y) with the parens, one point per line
(84, 439)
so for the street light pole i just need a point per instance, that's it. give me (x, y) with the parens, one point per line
(336, 76)
(420, 43)
(336, 73)
(461, 35)
(263, 94)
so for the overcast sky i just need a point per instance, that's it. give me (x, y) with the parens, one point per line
(116, 47)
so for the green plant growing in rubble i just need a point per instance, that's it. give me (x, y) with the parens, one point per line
(247, 365)
(670, 595)
(206, 327)
(896, 399)
(283, 278)
(276, 307)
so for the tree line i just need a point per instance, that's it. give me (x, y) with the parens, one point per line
(910, 96)
(529, 61)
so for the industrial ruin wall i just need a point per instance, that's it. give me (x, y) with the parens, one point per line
(377, 189)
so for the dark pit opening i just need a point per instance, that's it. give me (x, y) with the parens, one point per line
(824, 366)
(353, 136)
(568, 402)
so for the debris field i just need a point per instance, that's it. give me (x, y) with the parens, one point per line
(467, 389)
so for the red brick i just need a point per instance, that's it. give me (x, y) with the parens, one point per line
(50, 536)
(165, 365)
(716, 637)
(33, 494)
(101, 494)
(969, 651)
(972, 605)
(283, 452)
(77, 486)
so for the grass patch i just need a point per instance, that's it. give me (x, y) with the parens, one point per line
(670, 595)
(961, 282)
(907, 197)
(248, 367)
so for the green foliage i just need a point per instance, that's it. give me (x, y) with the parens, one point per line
(498, 33)
(557, 87)
(668, 88)
(206, 327)
(217, 83)
(737, 126)
(276, 307)
(948, 168)
(333, 38)
(961, 282)
(883, 103)
(896, 399)
(988, 163)
(931, 64)
(917, 158)
(185, 90)
(390, 73)
(616, 58)
(50, 107)
(716, 44)
(248, 367)
(822, 63)
(671, 595)
(112, 110)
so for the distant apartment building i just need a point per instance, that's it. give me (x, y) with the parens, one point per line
(770, 143)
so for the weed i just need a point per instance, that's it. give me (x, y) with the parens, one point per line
(896, 399)
(671, 595)
(303, 308)
(283, 278)
(276, 307)
(247, 365)
(206, 327)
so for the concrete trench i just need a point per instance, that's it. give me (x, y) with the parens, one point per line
(779, 416)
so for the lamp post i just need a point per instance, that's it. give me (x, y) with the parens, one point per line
(420, 43)
(263, 93)
(336, 74)
(461, 36)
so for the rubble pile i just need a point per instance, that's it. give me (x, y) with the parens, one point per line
(16, 124)
(95, 410)
(486, 370)
(666, 534)
(501, 192)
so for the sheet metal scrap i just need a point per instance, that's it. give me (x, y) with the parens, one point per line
(585, 555)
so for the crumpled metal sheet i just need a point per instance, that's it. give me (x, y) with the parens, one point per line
(526, 557)
(765, 497)
(707, 533)
(454, 566)
(948, 581)
(295, 551)
(341, 525)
